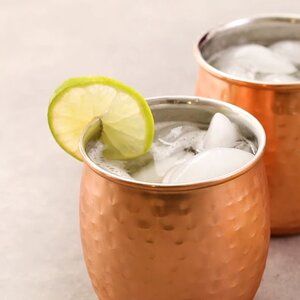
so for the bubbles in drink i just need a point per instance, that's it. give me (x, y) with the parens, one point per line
(114, 166)
(277, 63)
(184, 152)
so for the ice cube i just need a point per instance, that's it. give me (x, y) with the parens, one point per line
(147, 174)
(246, 145)
(168, 178)
(221, 133)
(289, 49)
(209, 164)
(133, 165)
(174, 145)
(238, 71)
(162, 166)
(278, 78)
(174, 137)
(252, 58)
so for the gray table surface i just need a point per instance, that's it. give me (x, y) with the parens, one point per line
(147, 44)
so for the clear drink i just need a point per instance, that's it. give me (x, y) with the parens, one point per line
(184, 152)
(278, 62)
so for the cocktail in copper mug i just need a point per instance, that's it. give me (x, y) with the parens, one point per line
(276, 105)
(206, 240)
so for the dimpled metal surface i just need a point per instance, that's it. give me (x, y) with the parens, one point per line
(208, 243)
(277, 107)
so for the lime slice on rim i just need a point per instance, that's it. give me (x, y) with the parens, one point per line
(128, 126)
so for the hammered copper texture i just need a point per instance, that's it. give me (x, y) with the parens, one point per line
(278, 109)
(204, 244)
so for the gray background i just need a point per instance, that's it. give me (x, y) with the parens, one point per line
(147, 44)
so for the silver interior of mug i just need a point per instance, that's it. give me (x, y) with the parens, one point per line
(263, 30)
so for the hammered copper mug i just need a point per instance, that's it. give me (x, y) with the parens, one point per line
(207, 240)
(277, 106)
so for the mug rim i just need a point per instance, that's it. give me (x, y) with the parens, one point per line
(260, 135)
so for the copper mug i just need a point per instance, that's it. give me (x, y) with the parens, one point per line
(277, 107)
(207, 240)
